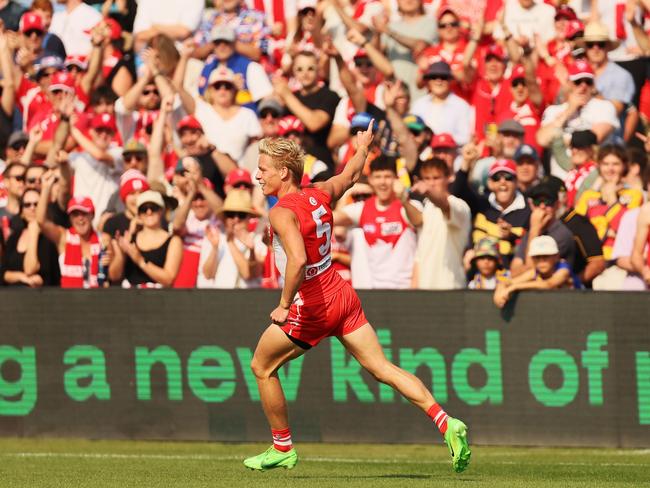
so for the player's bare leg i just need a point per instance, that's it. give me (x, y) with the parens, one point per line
(273, 350)
(364, 346)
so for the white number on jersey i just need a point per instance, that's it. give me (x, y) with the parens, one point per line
(322, 229)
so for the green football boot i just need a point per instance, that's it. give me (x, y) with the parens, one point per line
(271, 459)
(456, 440)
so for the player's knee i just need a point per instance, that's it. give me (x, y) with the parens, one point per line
(260, 369)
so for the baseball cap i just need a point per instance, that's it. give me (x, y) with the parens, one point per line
(62, 80)
(526, 151)
(503, 165)
(583, 138)
(238, 176)
(414, 122)
(189, 122)
(83, 204)
(545, 188)
(16, 137)
(566, 12)
(223, 33)
(104, 121)
(270, 104)
(221, 74)
(361, 121)
(486, 247)
(444, 10)
(132, 181)
(48, 61)
(290, 123)
(511, 125)
(150, 196)
(543, 246)
(573, 29)
(443, 140)
(134, 146)
(439, 68)
(114, 26)
(77, 60)
(495, 51)
(31, 21)
(518, 72)
(580, 69)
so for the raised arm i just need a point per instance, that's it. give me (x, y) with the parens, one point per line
(285, 225)
(8, 99)
(337, 185)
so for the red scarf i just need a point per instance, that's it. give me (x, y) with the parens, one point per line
(72, 268)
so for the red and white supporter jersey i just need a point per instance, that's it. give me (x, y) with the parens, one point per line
(312, 208)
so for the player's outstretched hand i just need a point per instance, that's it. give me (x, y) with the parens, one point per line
(279, 315)
(364, 139)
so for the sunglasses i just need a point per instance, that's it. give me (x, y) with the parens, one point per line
(363, 63)
(526, 160)
(221, 41)
(32, 180)
(242, 185)
(361, 197)
(599, 44)
(239, 215)
(45, 74)
(18, 177)
(547, 201)
(129, 157)
(147, 207)
(502, 175)
(518, 82)
(444, 25)
(198, 197)
(437, 77)
(17, 146)
(73, 68)
(223, 85)
(585, 81)
(30, 204)
(150, 91)
(266, 112)
(32, 32)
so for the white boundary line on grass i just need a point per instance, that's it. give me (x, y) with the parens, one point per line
(315, 459)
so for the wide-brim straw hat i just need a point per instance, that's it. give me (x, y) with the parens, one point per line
(238, 201)
(597, 32)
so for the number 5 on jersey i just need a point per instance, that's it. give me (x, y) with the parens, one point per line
(322, 229)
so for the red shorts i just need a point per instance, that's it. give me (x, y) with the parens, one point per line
(337, 315)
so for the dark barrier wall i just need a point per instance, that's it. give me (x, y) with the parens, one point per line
(554, 369)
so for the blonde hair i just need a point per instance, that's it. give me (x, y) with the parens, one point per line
(284, 153)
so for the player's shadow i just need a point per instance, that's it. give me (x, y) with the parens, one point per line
(379, 476)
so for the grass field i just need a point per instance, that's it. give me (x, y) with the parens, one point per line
(38, 463)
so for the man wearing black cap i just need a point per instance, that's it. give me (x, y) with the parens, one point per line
(441, 110)
(543, 199)
(585, 170)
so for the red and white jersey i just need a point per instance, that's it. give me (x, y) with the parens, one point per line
(31, 99)
(385, 256)
(312, 208)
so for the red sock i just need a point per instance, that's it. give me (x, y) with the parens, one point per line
(439, 417)
(282, 439)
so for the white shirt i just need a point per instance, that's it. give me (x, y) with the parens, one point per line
(454, 116)
(227, 275)
(70, 27)
(539, 19)
(596, 111)
(257, 81)
(229, 136)
(96, 179)
(442, 244)
(168, 12)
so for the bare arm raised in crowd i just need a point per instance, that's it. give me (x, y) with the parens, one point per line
(8, 99)
(339, 184)
(405, 140)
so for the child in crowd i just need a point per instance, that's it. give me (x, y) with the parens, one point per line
(550, 272)
(486, 262)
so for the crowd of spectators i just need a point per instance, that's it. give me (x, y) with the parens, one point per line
(510, 151)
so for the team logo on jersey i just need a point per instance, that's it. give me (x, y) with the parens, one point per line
(391, 228)
(313, 201)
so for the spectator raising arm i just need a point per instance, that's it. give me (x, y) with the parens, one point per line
(156, 166)
(405, 140)
(8, 98)
(98, 34)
